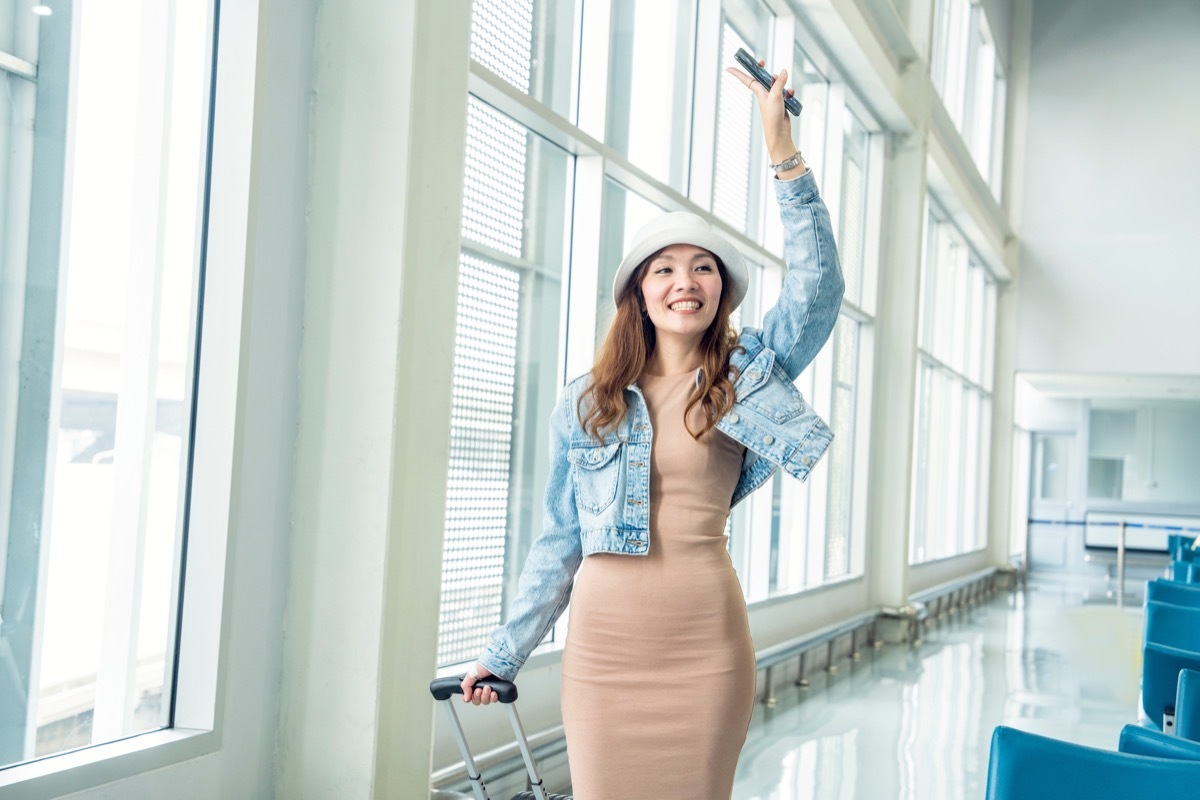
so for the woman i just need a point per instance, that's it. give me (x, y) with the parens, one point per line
(677, 422)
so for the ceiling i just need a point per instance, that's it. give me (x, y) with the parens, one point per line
(1075, 385)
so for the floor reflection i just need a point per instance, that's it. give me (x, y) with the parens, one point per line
(916, 724)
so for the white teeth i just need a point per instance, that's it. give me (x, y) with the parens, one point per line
(685, 305)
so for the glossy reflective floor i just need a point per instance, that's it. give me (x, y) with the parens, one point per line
(1057, 658)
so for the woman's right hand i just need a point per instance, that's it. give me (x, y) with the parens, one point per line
(777, 124)
(478, 695)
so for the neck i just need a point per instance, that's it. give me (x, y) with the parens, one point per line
(673, 356)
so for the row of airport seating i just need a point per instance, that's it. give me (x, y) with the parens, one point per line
(1159, 759)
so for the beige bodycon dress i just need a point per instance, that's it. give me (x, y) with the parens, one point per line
(658, 670)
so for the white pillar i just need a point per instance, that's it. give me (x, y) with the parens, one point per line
(389, 128)
(905, 204)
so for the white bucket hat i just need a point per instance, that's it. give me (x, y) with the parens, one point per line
(682, 227)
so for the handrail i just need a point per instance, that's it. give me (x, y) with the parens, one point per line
(934, 592)
(770, 656)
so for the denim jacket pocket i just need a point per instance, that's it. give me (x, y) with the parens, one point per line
(595, 470)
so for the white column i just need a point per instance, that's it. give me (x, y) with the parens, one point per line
(389, 123)
(420, 436)
(895, 374)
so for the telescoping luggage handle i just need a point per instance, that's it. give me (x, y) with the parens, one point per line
(445, 688)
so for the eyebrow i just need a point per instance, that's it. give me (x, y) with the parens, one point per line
(669, 257)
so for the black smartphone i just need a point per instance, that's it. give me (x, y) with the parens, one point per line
(750, 64)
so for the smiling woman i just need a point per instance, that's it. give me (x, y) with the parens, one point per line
(679, 419)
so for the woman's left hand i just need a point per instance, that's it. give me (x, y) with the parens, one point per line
(777, 123)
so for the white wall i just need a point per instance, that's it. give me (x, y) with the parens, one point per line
(1110, 272)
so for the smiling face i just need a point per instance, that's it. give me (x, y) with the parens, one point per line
(682, 290)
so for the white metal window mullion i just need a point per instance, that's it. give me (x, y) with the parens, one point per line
(862, 441)
(578, 320)
(995, 169)
(873, 223)
(704, 102)
(985, 468)
(967, 123)
(783, 50)
(580, 289)
(592, 65)
(820, 396)
(831, 180)
(755, 542)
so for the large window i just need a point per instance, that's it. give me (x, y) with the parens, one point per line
(544, 229)
(649, 89)
(737, 174)
(954, 398)
(801, 536)
(527, 43)
(100, 275)
(506, 369)
(970, 79)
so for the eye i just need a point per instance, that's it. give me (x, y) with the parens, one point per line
(704, 267)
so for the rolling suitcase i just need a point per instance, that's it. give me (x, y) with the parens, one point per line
(443, 689)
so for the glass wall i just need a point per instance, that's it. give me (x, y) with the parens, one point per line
(100, 275)
(952, 449)
(969, 76)
(506, 369)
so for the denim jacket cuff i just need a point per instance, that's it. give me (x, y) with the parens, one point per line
(796, 191)
(501, 663)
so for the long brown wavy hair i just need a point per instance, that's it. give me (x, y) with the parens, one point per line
(630, 341)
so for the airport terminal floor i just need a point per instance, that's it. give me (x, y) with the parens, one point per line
(1058, 658)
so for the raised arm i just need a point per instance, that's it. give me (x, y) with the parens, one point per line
(549, 572)
(801, 321)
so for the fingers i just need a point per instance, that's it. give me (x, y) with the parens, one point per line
(757, 87)
(468, 687)
(777, 88)
(747, 81)
(481, 696)
(477, 695)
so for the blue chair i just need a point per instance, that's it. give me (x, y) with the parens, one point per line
(1185, 565)
(1025, 766)
(1174, 592)
(1140, 741)
(1172, 644)
(1174, 625)
(1176, 543)
(1187, 706)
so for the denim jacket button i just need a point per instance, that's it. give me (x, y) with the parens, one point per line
(768, 439)
(807, 461)
(733, 419)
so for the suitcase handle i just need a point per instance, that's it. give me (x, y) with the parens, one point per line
(445, 688)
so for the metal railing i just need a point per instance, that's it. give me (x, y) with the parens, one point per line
(1123, 527)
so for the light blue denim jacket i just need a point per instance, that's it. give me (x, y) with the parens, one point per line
(598, 493)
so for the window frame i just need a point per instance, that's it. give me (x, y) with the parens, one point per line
(201, 649)
(935, 369)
